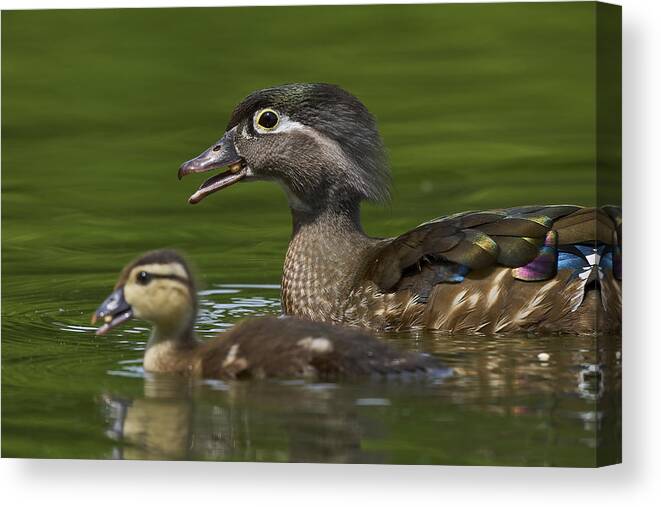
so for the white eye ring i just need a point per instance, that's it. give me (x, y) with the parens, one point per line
(263, 120)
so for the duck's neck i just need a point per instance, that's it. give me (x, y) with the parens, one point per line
(170, 348)
(323, 260)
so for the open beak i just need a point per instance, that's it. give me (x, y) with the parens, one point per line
(221, 154)
(112, 312)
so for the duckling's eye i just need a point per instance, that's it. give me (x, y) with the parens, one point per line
(143, 278)
(268, 119)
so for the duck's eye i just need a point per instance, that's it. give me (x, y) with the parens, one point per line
(268, 119)
(143, 278)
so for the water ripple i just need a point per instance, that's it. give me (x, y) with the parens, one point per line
(54, 337)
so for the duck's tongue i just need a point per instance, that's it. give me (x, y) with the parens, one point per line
(236, 172)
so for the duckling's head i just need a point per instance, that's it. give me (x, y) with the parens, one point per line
(317, 140)
(157, 287)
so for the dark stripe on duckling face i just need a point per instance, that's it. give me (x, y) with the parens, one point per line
(144, 277)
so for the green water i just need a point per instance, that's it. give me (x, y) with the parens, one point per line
(480, 106)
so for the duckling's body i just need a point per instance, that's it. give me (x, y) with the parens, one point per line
(292, 347)
(551, 269)
(158, 287)
(266, 347)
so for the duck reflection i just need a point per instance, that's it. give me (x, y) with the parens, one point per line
(497, 368)
(556, 378)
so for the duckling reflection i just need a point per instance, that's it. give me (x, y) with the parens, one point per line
(158, 287)
(158, 426)
(240, 421)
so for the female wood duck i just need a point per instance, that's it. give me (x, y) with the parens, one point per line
(158, 287)
(545, 269)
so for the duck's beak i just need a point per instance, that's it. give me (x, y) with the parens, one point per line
(221, 154)
(113, 311)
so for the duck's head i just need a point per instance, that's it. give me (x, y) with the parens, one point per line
(317, 140)
(157, 287)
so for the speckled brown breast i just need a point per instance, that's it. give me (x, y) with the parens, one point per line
(322, 268)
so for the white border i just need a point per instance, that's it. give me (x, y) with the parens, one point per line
(637, 482)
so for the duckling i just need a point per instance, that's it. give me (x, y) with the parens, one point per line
(158, 287)
(538, 269)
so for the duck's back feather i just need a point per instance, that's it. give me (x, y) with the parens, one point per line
(515, 269)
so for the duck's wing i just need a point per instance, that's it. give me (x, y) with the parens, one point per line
(290, 347)
(527, 238)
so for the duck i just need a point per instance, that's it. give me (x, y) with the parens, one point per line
(527, 269)
(158, 287)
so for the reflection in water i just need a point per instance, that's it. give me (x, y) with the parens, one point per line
(518, 401)
(157, 426)
(239, 421)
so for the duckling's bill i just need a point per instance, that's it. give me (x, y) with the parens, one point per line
(113, 312)
(221, 154)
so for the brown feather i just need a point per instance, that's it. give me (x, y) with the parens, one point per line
(290, 347)
(529, 226)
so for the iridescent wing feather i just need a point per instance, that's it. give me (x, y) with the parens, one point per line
(527, 238)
